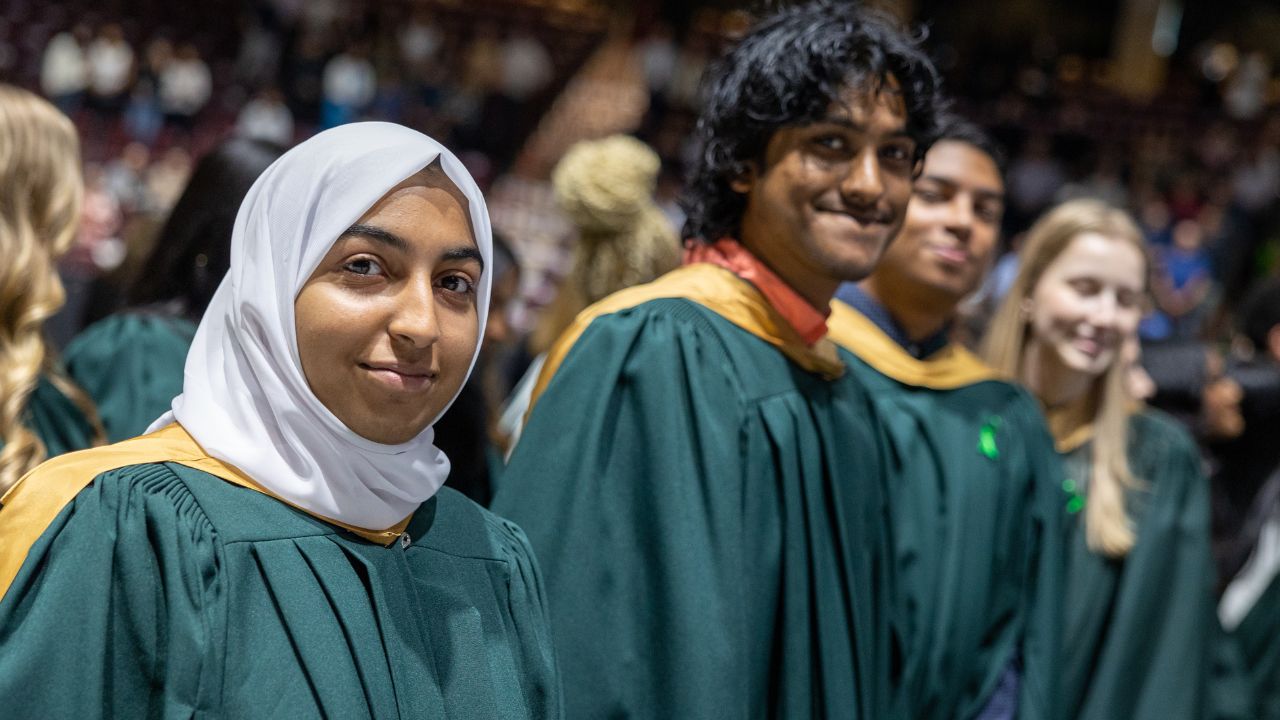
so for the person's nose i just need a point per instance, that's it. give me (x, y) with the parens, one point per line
(414, 321)
(863, 182)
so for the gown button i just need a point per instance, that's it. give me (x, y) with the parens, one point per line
(405, 540)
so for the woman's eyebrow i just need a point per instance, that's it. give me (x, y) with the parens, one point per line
(378, 234)
(464, 252)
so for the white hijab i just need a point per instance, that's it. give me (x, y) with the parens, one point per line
(244, 397)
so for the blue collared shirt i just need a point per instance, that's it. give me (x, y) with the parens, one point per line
(859, 300)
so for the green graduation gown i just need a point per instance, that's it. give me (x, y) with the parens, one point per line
(702, 492)
(975, 491)
(131, 365)
(1140, 631)
(56, 420)
(1258, 640)
(165, 589)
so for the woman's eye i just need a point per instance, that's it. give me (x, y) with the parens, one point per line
(363, 266)
(1086, 286)
(458, 284)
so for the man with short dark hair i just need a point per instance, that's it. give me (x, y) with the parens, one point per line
(700, 476)
(973, 478)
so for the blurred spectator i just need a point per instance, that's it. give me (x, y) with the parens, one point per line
(1246, 92)
(125, 178)
(419, 40)
(1183, 286)
(185, 87)
(166, 178)
(97, 248)
(349, 86)
(110, 59)
(64, 72)
(1034, 178)
(258, 59)
(526, 66)
(143, 120)
(267, 118)
(1245, 462)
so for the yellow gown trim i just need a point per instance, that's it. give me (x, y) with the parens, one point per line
(35, 500)
(718, 290)
(951, 367)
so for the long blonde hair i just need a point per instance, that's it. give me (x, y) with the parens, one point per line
(1108, 527)
(40, 195)
(606, 188)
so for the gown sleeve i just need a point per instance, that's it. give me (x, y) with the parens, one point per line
(116, 611)
(628, 494)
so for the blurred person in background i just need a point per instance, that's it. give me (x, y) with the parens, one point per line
(349, 84)
(64, 70)
(699, 473)
(281, 544)
(266, 117)
(982, 600)
(42, 412)
(1248, 483)
(605, 187)
(1182, 284)
(131, 362)
(1139, 623)
(185, 87)
(110, 60)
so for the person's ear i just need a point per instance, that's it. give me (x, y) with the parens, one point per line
(744, 177)
(1273, 342)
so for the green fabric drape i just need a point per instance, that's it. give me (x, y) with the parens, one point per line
(1140, 631)
(163, 591)
(975, 488)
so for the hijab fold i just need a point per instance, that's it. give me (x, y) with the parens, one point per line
(245, 398)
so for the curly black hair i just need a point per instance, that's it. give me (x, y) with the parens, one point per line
(787, 71)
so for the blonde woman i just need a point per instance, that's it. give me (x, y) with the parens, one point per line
(1139, 606)
(42, 413)
(605, 187)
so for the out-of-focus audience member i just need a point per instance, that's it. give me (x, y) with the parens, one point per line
(349, 83)
(1182, 285)
(64, 70)
(266, 117)
(185, 87)
(110, 61)
(606, 188)
(1139, 590)
(131, 362)
(42, 412)
(1248, 485)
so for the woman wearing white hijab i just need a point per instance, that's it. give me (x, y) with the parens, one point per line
(280, 545)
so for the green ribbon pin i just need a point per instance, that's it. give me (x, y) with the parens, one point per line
(987, 438)
(1075, 503)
